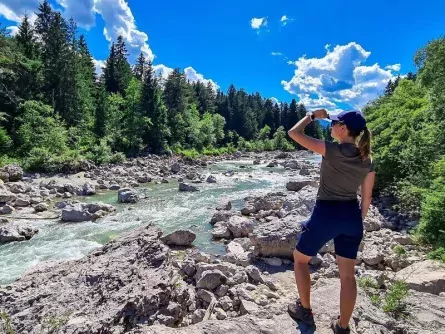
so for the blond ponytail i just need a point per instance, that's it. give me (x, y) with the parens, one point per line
(364, 145)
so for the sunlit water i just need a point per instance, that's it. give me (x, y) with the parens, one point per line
(164, 206)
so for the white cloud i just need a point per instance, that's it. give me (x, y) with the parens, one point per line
(13, 30)
(285, 20)
(395, 67)
(257, 23)
(275, 100)
(339, 76)
(99, 65)
(14, 10)
(81, 11)
(276, 54)
(316, 103)
(162, 72)
(194, 76)
(119, 20)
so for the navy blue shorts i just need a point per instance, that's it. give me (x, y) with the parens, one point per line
(338, 220)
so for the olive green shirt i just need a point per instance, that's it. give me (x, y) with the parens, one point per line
(342, 172)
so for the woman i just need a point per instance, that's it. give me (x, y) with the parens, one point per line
(346, 166)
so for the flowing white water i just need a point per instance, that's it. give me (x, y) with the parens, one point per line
(164, 206)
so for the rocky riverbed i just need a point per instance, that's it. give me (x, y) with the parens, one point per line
(147, 281)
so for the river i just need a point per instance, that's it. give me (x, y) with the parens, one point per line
(163, 206)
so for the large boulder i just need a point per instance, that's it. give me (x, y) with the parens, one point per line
(127, 195)
(175, 168)
(300, 184)
(211, 179)
(211, 279)
(240, 226)
(6, 195)
(187, 187)
(89, 189)
(372, 255)
(272, 201)
(13, 173)
(179, 238)
(278, 237)
(22, 200)
(426, 276)
(114, 287)
(237, 255)
(18, 188)
(220, 230)
(6, 209)
(80, 212)
(16, 231)
(221, 216)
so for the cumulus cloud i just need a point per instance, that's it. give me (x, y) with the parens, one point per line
(13, 30)
(275, 100)
(339, 76)
(82, 11)
(14, 10)
(395, 67)
(99, 65)
(119, 20)
(194, 76)
(162, 72)
(257, 23)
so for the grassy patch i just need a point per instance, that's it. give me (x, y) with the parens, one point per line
(437, 254)
(367, 283)
(53, 324)
(394, 300)
(399, 250)
(6, 325)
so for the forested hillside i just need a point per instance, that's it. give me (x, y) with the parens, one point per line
(56, 111)
(409, 143)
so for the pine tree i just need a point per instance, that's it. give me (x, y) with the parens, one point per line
(388, 89)
(285, 116)
(203, 95)
(123, 68)
(277, 117)
(110, 71)
(100, 119)
(269, 115)
(140, 67)
(153, 108)
(25, 38)
(44, 19)
(176, 102)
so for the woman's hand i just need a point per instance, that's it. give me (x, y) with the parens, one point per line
(320, 113)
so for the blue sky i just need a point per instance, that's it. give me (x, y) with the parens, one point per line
(327, 53)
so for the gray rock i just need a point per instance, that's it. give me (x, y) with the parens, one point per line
(237, 255)
(254, 274)
(11, 173)
(304, 171)
(277, 238)
(205, 295)
(211, 279)
(211, 179)
(175, 168)
(221, 216)
(224, 206)
(221, 291)
(273, 261)
(198, 316)
(300, 184)
(18, 188)
(371, 224)
(426, 276)
(316, 260)
(22, 200)
(220, 230)
(403, 239)
(40, 207)
(248, 307)
(187, 187)
(6, 209)
(220, 313)
(225, 303)
(6, 195)
(127, 195)
(125, 280)
(73, 189)
(80, 212)
(240, 226)
(371, 255)
(282, 155)
(16, 231)
(89, 189)
(256, 162)
(180, 238)
(114, 187)
(273, 163)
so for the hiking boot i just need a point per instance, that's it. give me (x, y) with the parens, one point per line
(299, 313)
(338, 329)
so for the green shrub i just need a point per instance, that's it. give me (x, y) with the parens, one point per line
(6, 325)
(367, 282)
(117, 158)
(431, 227)
(5, 142)
(438, 254)
(394, 301)
(399, 250)
(100, 153)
